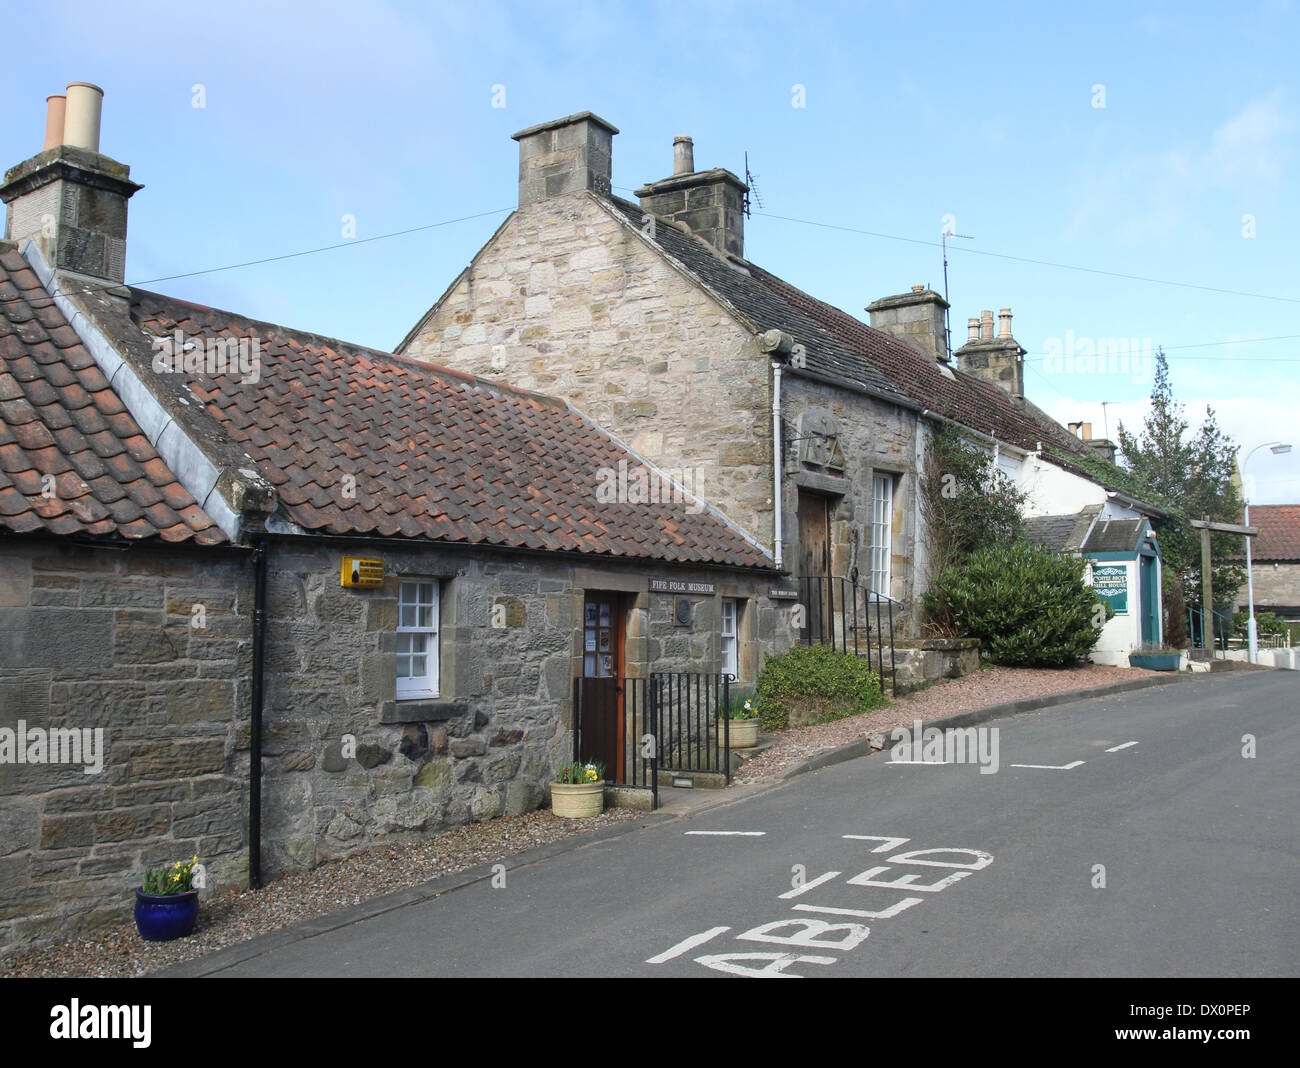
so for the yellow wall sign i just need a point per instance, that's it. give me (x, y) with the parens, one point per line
(358, 571)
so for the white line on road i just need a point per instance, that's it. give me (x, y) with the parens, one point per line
(687, 944)
(918, 761)
(1050, 767)
(1117, 748)
(808, 886)
(741, 834)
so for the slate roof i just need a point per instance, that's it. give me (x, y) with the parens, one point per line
(842, 346)
(763, 304)
(435, 453)
(1063, 533)
(1279, 532)
(59, 417)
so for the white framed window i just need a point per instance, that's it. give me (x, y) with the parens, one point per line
(417, 640)
(730, 619)
(882, 532)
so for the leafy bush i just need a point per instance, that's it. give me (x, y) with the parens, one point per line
(1026, 604)
(1265, 623)
(842, 683)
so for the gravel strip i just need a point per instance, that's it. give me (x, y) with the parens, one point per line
(988, 686)
(238, 915)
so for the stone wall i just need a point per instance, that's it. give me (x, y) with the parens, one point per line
(1275, 584)
(151, 648)
(874, 438)
(348, 765)
(112, 639)
(568, 300)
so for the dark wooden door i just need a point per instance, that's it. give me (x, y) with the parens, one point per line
(814, 562)
(603, 705)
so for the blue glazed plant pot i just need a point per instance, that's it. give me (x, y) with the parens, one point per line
(161, 918)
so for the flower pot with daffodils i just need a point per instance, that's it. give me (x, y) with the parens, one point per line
(579, 790)
(167, 903)
(742, 732)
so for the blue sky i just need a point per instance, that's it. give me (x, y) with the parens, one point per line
(912, 112)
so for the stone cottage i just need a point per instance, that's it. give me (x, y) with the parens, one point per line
(268, 597)
(649, 318)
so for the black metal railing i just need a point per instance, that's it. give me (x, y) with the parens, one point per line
(636, 726)
(849, 615)
(692, 735)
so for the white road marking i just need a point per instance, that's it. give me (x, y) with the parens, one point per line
(888, 843)
(687, 944)
(919, 762)
(808, 886)
(1117, 748)
(1050, 767)
(882, 914)
(741, 834)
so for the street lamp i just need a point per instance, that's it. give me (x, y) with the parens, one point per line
(1252, 634)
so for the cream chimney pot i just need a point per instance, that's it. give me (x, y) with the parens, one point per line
(683, 155)
(1004, 322)
(986, 325)
(972, 329)
(81, 120)
(55, 108)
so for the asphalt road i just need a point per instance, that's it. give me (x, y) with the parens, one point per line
(1199, 844)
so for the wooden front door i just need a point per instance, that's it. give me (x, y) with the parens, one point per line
(814, 561)
(603, 707)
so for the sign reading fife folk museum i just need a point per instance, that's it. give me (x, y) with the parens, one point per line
(1111, 583)
(659, 585)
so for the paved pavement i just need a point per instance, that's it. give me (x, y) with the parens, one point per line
(1137, 839)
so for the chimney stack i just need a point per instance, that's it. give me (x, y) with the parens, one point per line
(996, 360)
(69, 199)
(710, 204)
(683, 155)
(564, 156)
(55, 110)
(916, 319)
(81, 120)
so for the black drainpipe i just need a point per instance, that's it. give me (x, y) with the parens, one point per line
(255, 737)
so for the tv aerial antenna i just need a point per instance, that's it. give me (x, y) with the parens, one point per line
(947, 327)
(751, 180)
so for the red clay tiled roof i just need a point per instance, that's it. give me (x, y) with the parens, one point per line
(60, 418)
(434, 453)
(1279, 532)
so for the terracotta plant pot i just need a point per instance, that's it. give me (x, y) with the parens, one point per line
(573, 801)
(743, 733)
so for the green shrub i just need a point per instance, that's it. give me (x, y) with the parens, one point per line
(1026, 604)
(842, 682)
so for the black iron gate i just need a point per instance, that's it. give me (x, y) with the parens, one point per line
(636, 726)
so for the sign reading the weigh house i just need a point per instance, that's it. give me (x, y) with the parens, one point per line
(1111, 584)
(663, 585)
